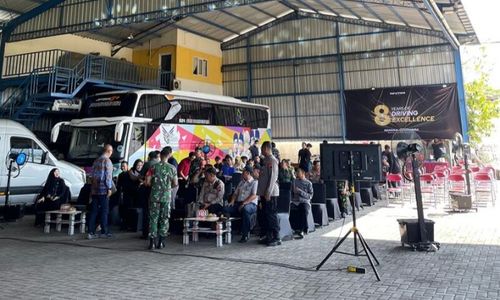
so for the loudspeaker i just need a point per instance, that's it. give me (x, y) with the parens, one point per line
(14, 212)
(410, 231)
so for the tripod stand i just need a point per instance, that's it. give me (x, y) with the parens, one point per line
(7, 194)
(354, 229)
(19, 159)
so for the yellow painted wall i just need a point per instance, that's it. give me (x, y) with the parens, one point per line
(184, 47)
(143, 57)
(184, 63)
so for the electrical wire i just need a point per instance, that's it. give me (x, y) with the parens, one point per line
(234, 260)
(340, 233)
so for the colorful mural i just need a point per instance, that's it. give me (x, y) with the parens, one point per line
(217, 140)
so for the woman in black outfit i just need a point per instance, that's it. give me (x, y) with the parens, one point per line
(54, 193)
(128, 184)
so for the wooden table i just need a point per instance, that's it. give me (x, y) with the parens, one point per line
(222, 229)
(59, 221)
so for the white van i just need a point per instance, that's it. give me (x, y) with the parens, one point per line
(30, 179)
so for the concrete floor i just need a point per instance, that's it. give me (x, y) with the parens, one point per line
(56, 266)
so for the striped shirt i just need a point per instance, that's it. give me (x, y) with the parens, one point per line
(102, 176)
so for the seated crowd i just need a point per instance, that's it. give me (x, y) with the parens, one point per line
(243, 187)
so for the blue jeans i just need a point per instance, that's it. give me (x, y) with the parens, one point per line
(246, 215)
(100, 204)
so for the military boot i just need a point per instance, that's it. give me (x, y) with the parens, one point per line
(152, 243)
(161, 242)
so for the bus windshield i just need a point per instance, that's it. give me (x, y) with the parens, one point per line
(87, 144)
(109, 105)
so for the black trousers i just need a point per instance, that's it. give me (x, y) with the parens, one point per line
(271, 216)
(261, 218)
(144, 193)
(298, 216)
(215, 209)
(42, 207)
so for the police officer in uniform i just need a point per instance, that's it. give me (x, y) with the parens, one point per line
(211, 195)
(268, 190)
(162, 177)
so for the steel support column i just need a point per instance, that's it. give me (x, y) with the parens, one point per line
(340, 64)
(433, 9)
(462, 104)
(249, 72)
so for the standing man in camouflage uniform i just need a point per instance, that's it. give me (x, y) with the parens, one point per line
(162, 177)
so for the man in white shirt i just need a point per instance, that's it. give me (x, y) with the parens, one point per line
(244, 202)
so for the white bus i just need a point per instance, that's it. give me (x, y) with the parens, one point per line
(139, 121)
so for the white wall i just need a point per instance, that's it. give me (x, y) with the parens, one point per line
(201, 87)
(199, 43)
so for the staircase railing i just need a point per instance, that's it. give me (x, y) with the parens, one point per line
(28, 87)
(22, 64)
(68, 76)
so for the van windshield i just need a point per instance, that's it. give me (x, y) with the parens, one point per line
(87, 143)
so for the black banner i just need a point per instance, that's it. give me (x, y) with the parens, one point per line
(378, 114)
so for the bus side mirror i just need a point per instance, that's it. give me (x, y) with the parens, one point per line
(118, 132)
(54, 134)
(175, 108)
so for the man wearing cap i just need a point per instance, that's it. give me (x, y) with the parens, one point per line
(244, 202)
(212, 192)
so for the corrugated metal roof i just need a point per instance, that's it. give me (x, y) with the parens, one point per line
(9, 9)
(223, 23)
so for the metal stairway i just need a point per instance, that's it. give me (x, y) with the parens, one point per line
(42, 86)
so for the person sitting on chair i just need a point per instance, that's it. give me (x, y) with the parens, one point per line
(315, 174)
(302, 190)
(212, 192)
(286, 174)
(54, 193)
(244, 202)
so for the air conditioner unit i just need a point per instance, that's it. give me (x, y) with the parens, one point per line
(176, 84)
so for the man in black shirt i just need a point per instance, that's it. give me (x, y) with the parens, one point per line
(390, 162)
(254, 149)
(305, 157)
(438, 149)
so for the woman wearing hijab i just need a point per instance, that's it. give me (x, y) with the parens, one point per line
(128, 183)
(54, 193)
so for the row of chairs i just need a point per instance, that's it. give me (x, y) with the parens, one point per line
(436, 186)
